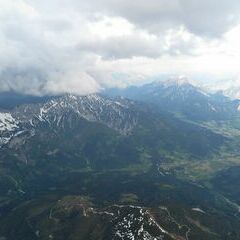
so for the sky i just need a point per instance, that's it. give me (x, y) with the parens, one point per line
(79, 46)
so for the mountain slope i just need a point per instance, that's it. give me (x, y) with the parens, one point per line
(93, 108)
(113, 127)
(58, 112)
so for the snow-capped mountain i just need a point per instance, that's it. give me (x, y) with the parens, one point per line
(179, 88)
(60, 112)
(95, 108)
(180, 95)
(230, 88)
(178, 81)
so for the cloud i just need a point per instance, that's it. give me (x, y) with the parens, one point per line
(210, 18)
(81, 46)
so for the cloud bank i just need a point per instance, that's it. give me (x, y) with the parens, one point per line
(51, 47)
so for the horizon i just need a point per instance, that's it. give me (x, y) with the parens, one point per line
(229, 89)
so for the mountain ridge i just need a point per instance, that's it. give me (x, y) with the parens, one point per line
(114, 114)
(182, 98)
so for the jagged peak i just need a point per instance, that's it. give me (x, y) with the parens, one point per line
(182, 83)
(113, 113)
(176, 81)
(179, 81)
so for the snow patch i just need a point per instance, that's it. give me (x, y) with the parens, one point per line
(7, 122)
(198, 210)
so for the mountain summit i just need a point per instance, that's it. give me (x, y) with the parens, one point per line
(177, 81)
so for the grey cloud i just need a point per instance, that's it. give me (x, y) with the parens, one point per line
(31, 81)
(135, 45)
(37, 58)
(45, 46)
(209, 18)
(123, 47)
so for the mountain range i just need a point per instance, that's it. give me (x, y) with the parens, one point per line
(182, 97)
(148, 162)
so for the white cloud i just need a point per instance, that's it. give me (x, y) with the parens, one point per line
(80, 46)
(74, 82)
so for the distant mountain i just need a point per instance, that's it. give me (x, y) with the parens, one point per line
(182, 97)
(233, 92)
(230, 88)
